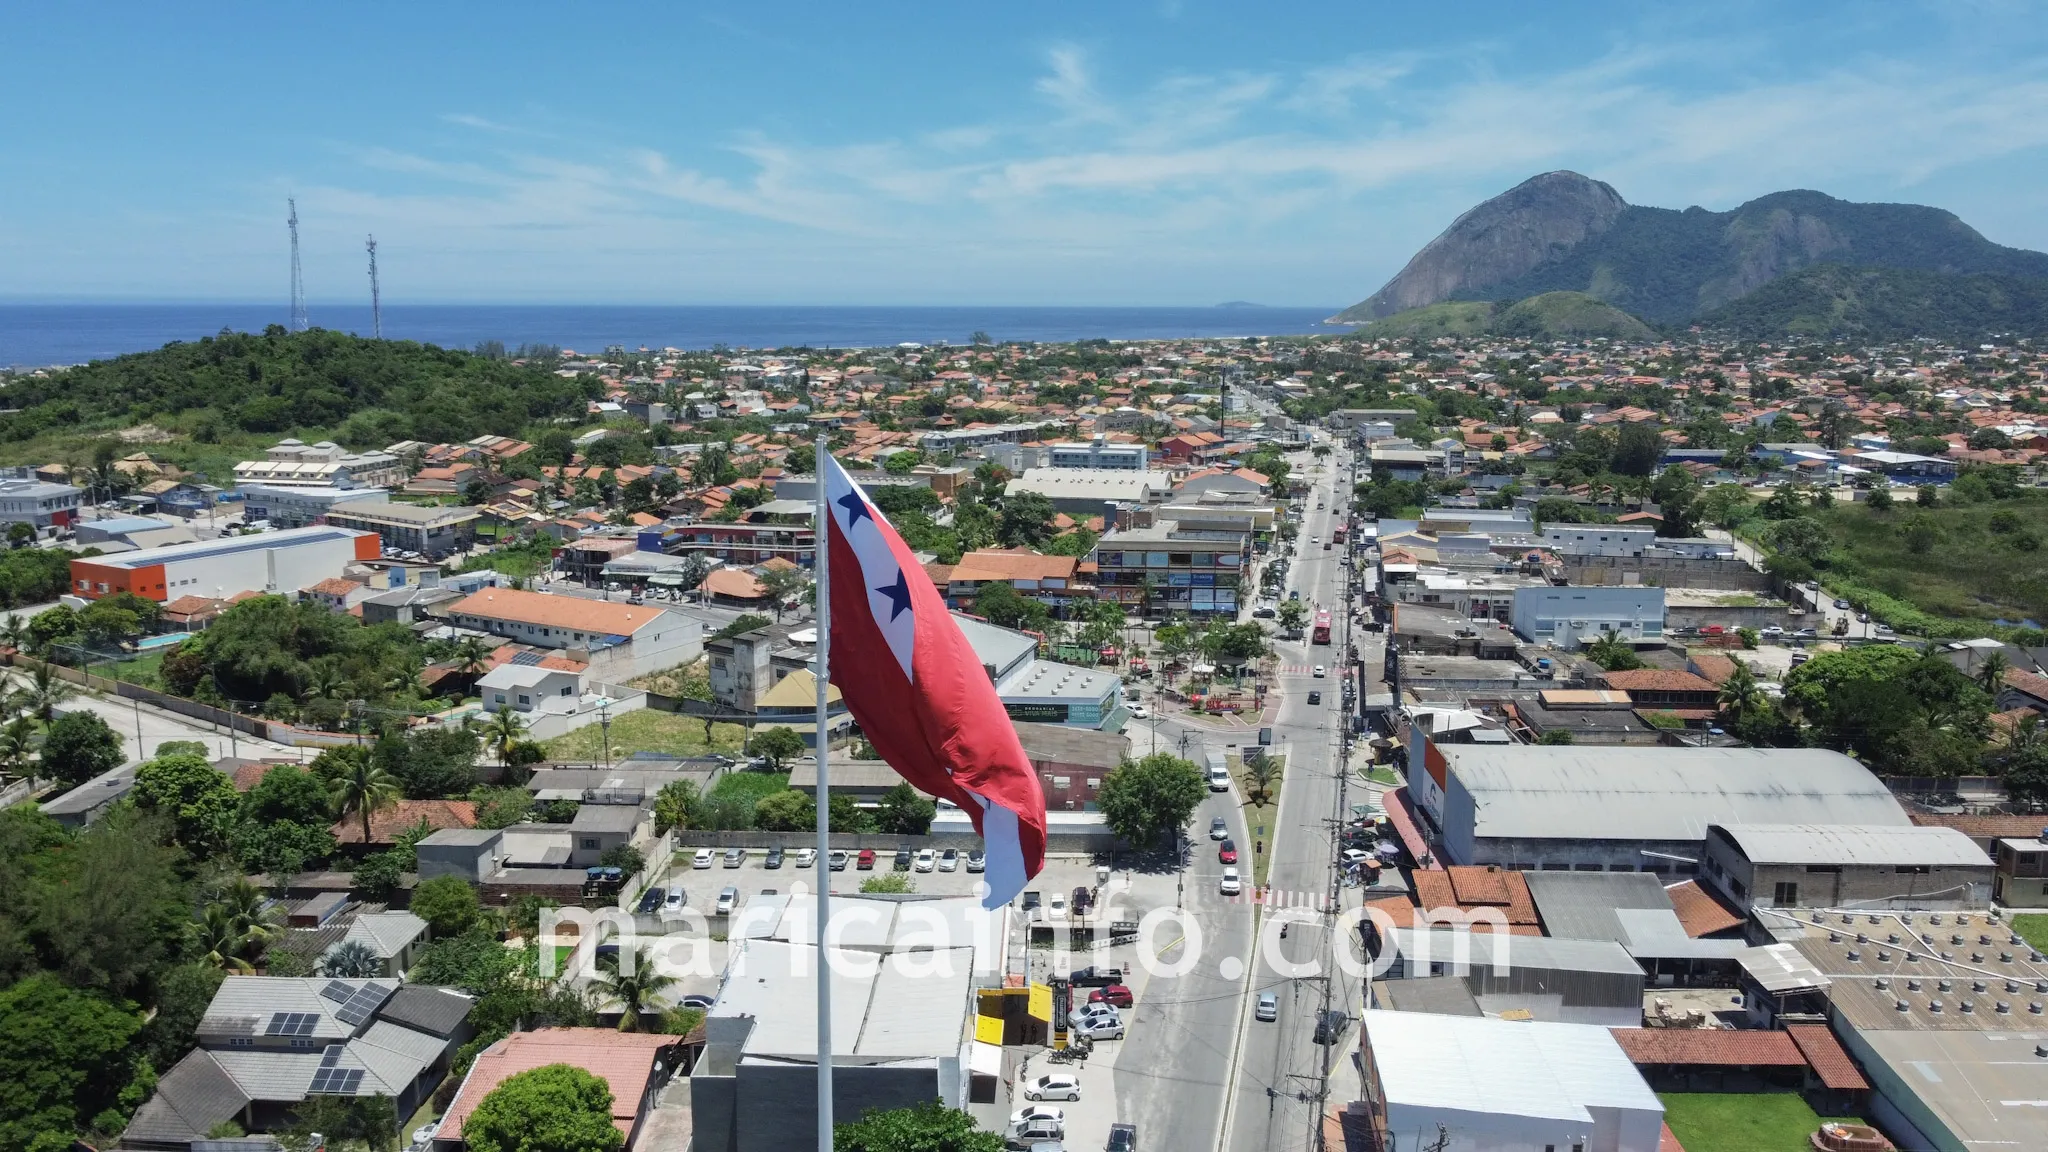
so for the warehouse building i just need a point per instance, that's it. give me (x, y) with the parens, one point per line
(1847, 866)
(1628, 809)
(273, 563)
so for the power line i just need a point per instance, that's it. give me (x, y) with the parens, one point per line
(298, 318)
(376, 306)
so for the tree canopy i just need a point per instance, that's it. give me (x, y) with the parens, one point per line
(1145, 800)
(553, 1108)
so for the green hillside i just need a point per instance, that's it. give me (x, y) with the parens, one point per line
(1550, 316)
(371, 392)
(1887, 304)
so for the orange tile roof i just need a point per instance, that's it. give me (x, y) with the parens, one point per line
(1714, 667)
(623, 1060)
(1013, 564)
(571, 612)
(1827, 1057)
(387, 823)
(1717, 1047)
(1470, 886)
(735, 583)
(1699, 911)
(1657, 680)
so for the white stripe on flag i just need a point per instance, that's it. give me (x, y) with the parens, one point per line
(1004, 859)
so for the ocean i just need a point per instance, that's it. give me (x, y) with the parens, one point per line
(36, 335)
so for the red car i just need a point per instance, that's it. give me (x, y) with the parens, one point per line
(866, 860)
(1114, 995)
(1226, 852)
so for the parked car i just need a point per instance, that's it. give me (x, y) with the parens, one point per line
(1083, 900)
(1100, 1028)
(1056, 908)
(1122, 1138)
(1772, 630)
(867, 860)
(1231, 884)
(838, 860)
(728, 899)
(1037, 1128)
(806, 857)
(774, 859)
(1114, 995)
(1263, 613)
(1140, 712)
(697, 1000)
(673, 903)
(1269, 1007)
(1095, 976)
(1053, 1086)
(1226, 852)
(903, 859)
(1841, 605)
(1032, 1112)
(703, 858)
(651, 900)
(734, 857)
(926, 860)
(1218, 830)
(976, 861)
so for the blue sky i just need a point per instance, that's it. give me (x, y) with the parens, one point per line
(1170, 152)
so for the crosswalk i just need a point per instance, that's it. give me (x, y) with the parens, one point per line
(1296, 669)
(1279, 898)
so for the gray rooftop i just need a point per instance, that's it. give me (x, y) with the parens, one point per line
(1582, 905)
(903, 1008)
(1855, 845)
(1982, 1088)
(1067, 744)
(426, 1008)
(1537, 952)
(386, 933)
(410, 515)
(1594, 793)
(622, 818)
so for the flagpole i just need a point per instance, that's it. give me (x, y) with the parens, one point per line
(822, 738)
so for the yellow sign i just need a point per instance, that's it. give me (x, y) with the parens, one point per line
(1040, 1006)
(988, 1029)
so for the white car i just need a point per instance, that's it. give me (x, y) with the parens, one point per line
(1056, 908)
(1321, 672)
(1030, 1133)
(1031, 1112)
(1269, 1007)
(673, 904)
(1053, 1086)
(806, 857)
(926, 860)
(1140, 712)
(703, 859)
(949, 860)
(1232, 883)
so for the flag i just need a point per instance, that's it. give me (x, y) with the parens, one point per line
(919, 692)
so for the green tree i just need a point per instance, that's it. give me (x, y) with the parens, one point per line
(81, 746)
(635, 994)
(999, 604)
(1292, 614)
(504, 729)
(926, 1127)
(1926, 496)
(198, 799)
(1556, 736)
(783, 585)
(448, 904)
(555, 1108)
(1637, 449)
(1144, 800)
(236, 924)
(1026, 520)
(904, 811)
(1879, 500)
(888, 883)
(287, 792)
(778, 744)
(1741, 697)
(64, 1056)
(786, 811)
(677, 805)
(44, 693)
(357, 784)
(1613, 653)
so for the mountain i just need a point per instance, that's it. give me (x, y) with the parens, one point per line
(1508, 236)
(1565, 232)
(1552, 315)
(1886, 303)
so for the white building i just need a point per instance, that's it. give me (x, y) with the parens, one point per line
(527, 687)
(1477, 1084)
(324, 464)
(37, 503)
(1598, 539)
(274, 563)
(1574, 616)
(298, 505)
(618, 641)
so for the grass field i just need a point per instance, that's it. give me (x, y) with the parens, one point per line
(2033, 929)
(647, 731)
(1741, 1122)
(1974, 562)
(750, 786)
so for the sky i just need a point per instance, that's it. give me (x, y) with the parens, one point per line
(1167, 152)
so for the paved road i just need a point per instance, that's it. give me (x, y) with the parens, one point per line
(1279, 1064)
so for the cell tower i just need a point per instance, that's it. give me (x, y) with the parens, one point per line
(298, 283)
(376, 306)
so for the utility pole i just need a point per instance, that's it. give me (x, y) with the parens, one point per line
(376, 305)
(298, 318)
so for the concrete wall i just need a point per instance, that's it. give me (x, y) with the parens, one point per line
(1665, 572)
(1862, 886)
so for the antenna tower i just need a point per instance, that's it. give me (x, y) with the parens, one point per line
(376, 306)
(298, 283)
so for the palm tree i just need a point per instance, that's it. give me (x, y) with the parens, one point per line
(2025, 736)
(44, 692)
(17, 744)
(352, 959)
(406, 682)
(239, 919)
(472, 656)
(502, 731)
(1260, 777)
(634, 993)
(1991, 673)
(1741, 696)
(326, 683)
(359, 785)
(14, 633)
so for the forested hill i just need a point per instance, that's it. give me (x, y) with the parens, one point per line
(1887, 304)
(368, 391)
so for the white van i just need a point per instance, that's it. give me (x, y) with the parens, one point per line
(1219, 780)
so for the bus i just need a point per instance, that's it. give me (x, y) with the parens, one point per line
(1321, 635)
(1339, 533)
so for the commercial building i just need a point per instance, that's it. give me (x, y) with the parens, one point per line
(2021, 878)
(618, 641)
(958, 440)
(433, 531)
(298, 505)
(744, 544)
(1092, 491)
(1493, 1084)
(1627, 809)
(1096, 453)
(527, 687)
(1573, 617)
(1598, 539)
(325, 464)
(1531, 977)
(24, 500)
(1043, 691)
(1051, 580)
(274, 563)
(1847, 866)
(1172, 567)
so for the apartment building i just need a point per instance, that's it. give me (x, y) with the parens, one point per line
(433, 531)
(294, 462)
(1172, 566)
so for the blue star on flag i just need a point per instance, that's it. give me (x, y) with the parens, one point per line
(855, 508)
(898, 594)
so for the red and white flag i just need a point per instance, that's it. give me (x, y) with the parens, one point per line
(919, 692)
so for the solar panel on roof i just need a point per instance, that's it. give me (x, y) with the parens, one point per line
(335, 1082)
(292, 1024)
(332, 1055)
(363, 1004)
(337, 991)
(528, 658)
